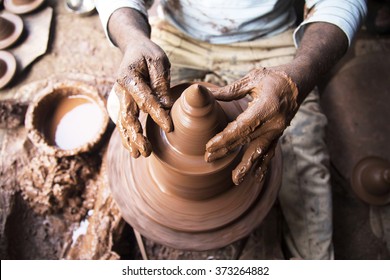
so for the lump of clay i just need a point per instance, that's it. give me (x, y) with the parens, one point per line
(59, 185)
(12, 113)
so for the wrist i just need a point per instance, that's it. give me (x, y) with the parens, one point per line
(126, 26)
(300, 74)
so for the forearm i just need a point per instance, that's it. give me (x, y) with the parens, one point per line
(321, 47)
(127, 26)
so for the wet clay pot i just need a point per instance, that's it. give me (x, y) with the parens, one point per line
(66, 119)
(371, 180)
(7, 68)
(22, 6)
(175, 197)
(11, 27)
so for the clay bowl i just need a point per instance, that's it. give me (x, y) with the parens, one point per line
(7, 68)
(11, 28)
(22, 6)
(66, 119)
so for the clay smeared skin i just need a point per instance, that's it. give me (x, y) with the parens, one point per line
(277, 94)
(143, 81)
(274, 103)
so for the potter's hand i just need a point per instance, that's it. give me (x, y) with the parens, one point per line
(274, 103)
(142, 84)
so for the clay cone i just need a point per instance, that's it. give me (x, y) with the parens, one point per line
(178, 162)
(22, 6)
(11, 27)
(196, 118)
(7, 68)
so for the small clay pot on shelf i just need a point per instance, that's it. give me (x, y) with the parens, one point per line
(11, 28)
(7, 68)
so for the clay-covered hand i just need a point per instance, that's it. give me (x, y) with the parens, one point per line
(142, 84)
(273, 105)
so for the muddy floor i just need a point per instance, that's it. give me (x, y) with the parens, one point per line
(61, 208)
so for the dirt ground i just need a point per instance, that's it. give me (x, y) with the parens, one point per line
(92, 228)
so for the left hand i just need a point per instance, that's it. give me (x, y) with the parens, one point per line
(274, 103)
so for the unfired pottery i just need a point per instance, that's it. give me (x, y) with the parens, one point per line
(175, 197)
(11, 27)
(371, 180)
(22, 6)
(7, 68)
(43, 113)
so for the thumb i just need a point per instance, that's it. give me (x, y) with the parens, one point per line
(234, 91)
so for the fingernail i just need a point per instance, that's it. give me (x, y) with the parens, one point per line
(208, 157)
(167, 124)
(239, 175)
(237, 180)
(213, 142)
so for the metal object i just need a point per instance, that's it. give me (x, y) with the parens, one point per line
(80, 7)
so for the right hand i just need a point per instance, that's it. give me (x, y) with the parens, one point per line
(142, 84)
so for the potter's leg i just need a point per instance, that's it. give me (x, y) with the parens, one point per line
(305, 196)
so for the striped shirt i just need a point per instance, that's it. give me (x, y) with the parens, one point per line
(229, 21)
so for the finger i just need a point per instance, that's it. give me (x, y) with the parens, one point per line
(132, 137)
(234, 91)
(129, 126)
(262, 166)
(159, 74)
(130, 146)
(239, 88)
(146, 101)
(237, 132)
(276, 126)
(255, 151)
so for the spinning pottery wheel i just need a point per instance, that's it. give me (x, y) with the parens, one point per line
(175, 197)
